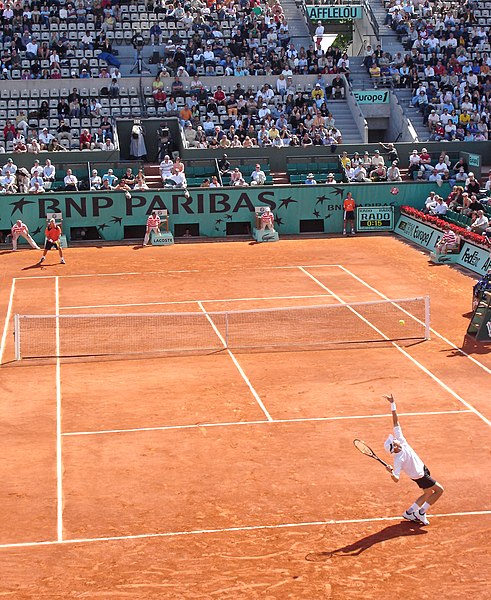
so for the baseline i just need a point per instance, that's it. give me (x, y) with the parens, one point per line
(477, 513)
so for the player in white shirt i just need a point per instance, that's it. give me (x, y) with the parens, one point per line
(406, 460)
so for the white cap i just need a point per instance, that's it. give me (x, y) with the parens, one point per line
(389, 444)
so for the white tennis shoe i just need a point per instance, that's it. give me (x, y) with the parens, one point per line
(422, 517)
(411, 516)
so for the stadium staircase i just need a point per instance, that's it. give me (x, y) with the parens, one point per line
(390, 43)
(344, 121)
(297, 24)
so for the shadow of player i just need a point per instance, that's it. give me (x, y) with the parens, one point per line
(38, 265)
(356, 548)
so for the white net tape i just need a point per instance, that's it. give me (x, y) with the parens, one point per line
(306, 326)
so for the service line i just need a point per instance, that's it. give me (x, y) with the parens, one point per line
(195, 301)
(269, 422)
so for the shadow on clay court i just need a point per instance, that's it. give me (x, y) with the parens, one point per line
(390, 532)
(39, 265)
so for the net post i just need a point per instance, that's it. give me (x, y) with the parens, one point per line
(427, 317)
(17, 336)
(226, 330)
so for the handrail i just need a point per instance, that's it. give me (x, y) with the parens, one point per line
(360, 121)
(372, 19)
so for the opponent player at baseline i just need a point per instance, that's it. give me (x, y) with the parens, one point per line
(153, 224)
(20, 229)
(267, 219)
(52, 233)
(406, 459)
(349, 214)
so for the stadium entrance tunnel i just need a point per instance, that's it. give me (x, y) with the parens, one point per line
(79, 234)
(186, 230)
(132, 232)
(311, 226)
(239, 228)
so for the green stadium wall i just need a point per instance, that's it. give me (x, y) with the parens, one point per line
(211, 209)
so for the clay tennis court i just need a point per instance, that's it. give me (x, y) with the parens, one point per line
(233, 474)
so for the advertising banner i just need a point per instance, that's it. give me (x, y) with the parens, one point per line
(372, 96)
(418, 232)
(373, 218)
(334, 13)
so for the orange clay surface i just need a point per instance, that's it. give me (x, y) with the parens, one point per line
(192, 477)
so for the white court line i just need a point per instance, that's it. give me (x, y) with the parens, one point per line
(7, 320)
(443, 338)
(236, 363)
(403, 352)
(195, 301)
(272, 422)
(163, 272)
(59, 465)
(193, 532)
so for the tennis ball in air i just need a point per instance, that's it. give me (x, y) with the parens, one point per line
(402, 322)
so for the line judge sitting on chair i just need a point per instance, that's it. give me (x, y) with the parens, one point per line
(448, 241)
(267, 219)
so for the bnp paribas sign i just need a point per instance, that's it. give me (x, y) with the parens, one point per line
(334, 13)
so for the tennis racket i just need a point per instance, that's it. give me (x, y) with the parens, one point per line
(364, 449)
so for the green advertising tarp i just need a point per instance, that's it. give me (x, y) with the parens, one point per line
(418, 232)
(294, 207)
(471, 257)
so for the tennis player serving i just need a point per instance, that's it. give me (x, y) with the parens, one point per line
(406, 459)
(52, 233)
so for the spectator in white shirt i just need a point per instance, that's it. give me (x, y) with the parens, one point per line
(441, 168)
(70, 181)
(9, 167)
(166, 167)
(258, 177)
(479, 223)
(440, 207)
(108, 145)
(45, 139)
(49, 171)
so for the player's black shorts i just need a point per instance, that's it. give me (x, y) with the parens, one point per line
(426, 481)
(48, 245)
(349, 215)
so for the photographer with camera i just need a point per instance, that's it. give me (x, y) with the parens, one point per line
(138, 42)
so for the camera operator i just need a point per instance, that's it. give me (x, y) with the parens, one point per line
(138, 42)
(166, 144)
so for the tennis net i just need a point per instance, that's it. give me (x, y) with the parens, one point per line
(39, 336)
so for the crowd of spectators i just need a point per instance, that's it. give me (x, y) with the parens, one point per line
(366, 168)
(55, 40)
(19, 179)
(464, 201)
(73, 122)
(446, 64)
(42, 178)
(248, 117)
